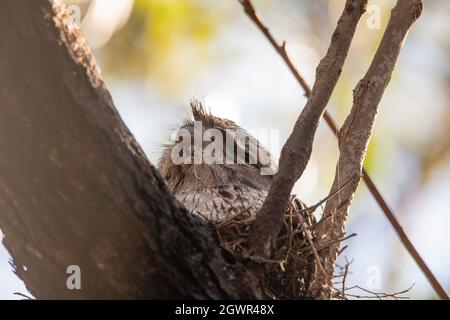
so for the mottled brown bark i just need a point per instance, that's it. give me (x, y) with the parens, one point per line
(296, 151)
(355, 134)
(76, 189)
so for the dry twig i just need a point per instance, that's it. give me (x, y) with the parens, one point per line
(377, 295)
(343, 292)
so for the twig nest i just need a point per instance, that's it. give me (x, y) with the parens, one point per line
(289, 271)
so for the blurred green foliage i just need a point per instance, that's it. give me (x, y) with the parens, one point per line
(163, 37)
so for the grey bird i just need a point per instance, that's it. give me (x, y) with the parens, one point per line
(222, 189)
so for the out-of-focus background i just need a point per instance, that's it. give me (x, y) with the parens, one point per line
(156, 55)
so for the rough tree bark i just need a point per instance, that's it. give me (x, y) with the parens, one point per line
(356, 132)
(76, 189)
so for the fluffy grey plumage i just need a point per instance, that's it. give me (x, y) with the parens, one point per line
(218, 191)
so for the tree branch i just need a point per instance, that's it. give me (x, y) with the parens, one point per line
(355, 134)
(390, 215)
(297, 149)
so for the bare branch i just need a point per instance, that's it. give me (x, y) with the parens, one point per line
(308, 236)
(280, 48)
(390, 215)
(297, 150)
(343, 292)
(356, 132)
(375, 295)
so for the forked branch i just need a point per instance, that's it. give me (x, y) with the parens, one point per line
(297, 150)
(356, 133)
(390, 215)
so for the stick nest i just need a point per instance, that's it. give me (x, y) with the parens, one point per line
(289, 272)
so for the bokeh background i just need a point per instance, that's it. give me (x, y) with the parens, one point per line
(156, 55)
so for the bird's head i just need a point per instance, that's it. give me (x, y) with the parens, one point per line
(208, 151)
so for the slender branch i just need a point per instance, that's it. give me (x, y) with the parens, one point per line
(342, 293)
(357, 130)
(330, 195)
(308, 236)
(281, 49)
(296, 152)
(376, 295)
(344, 277)
(435, 284)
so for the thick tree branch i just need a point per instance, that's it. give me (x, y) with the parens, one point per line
(296, 151)
(357, 129)
(76, 189)
(390, 215)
